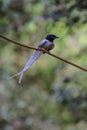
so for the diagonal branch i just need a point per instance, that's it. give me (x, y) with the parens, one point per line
(41, 49)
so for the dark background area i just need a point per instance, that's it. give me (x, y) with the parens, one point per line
(53, 94)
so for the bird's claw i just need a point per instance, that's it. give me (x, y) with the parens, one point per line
(42, 49)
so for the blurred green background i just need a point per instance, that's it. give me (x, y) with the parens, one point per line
(53, 94)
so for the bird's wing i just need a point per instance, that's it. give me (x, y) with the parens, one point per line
(42, 43)
(31, 60)
(46, 44)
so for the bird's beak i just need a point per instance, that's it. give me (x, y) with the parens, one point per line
(57, 37)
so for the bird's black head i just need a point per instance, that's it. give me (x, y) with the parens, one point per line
(51, 37)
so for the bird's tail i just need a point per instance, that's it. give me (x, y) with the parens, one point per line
(32, 59)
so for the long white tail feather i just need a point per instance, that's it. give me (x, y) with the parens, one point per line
(31, 60)
(20, 79)
(14, 75)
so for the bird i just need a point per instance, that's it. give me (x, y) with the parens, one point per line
(46, 44)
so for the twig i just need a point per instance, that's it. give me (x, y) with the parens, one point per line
(41, 49)
(18, 43)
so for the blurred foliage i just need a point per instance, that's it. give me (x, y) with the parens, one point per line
(53, 94)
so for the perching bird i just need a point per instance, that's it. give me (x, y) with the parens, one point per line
(47, 44)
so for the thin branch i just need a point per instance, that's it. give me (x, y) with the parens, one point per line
(41, 49)
(17, 43)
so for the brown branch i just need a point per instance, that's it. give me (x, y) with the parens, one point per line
(41, 49)
(17, 43)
